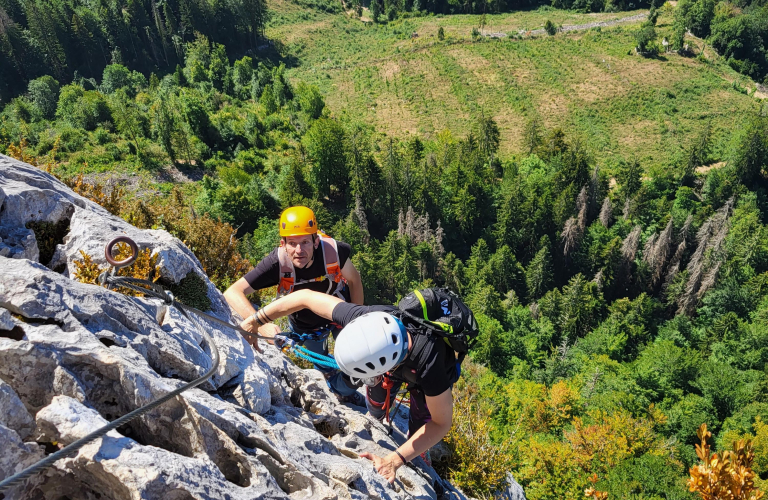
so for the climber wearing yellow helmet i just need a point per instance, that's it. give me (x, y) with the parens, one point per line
(305, 259)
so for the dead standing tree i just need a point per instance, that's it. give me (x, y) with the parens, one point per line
(574, 227)
(705, 263)
(606, 212)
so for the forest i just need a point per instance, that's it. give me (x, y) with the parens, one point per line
(619, 309)
(75, 40)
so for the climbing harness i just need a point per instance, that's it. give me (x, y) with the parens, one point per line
(333, 274)
(388, 384)
(152, 289)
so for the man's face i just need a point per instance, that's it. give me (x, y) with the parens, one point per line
(300, 249)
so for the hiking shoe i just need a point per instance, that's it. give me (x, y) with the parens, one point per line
(355, 398)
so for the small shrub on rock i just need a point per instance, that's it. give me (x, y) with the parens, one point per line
(192, 290)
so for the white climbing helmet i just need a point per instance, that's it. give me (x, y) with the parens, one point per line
(371, 345)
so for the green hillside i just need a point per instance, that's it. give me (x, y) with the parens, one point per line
(587, 82)
(616, 261)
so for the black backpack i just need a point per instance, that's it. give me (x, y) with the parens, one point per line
(439, 311)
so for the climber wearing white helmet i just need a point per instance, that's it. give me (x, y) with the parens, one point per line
(373, 342)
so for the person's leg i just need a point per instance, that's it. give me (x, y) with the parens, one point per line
(419, 414)
(376, 397)
(418, 417)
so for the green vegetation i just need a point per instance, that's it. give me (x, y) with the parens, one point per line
(590, 83)
(192, 290)
(738, 31)
(555, 182)
(71, 40)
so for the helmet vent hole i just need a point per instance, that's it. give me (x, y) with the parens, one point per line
(394, 356)
(382, 360)
(386, 320)
(370, 365)
(394, 339)
(358, 370)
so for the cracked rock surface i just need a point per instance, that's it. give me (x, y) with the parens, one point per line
(75, 356)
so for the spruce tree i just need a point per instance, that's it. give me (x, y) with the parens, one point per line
(538, 275)
(375, 10)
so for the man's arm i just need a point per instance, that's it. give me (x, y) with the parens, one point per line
(237, 300)
(319, 303)
(350, 273)
(441, 410)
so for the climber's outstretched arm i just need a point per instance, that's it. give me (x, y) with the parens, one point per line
(319, 303)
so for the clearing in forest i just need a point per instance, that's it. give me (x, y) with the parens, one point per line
(588, 82)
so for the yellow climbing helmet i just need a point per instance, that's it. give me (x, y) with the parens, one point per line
(297, 221)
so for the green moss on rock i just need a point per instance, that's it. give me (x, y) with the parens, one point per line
(192, 290)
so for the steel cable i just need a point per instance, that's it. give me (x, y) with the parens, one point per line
(158, 292)
(72, 448)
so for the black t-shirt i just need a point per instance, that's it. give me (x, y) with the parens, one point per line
(431, 362)
(267, 274)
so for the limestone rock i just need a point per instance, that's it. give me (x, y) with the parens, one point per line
(27, 194)
(16, 456)
(18, 243)
(82, 355)
(6, 320)
(13, 414)
(119, 467)
(252, 390)
(514, 491)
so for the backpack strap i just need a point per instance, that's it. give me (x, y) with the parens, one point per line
(331, 258)
(432, 325)
(445, 328)
(287, 273)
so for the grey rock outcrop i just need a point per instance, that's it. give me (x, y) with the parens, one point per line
(13, 414)
(74, 356)
(513, 491)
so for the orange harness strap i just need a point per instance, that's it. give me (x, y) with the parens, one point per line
(388, 384)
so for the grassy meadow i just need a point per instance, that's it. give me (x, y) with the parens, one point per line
(589, 82)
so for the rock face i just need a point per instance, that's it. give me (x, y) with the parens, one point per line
(74, 356)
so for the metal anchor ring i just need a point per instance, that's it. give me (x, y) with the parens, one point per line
(125, 262)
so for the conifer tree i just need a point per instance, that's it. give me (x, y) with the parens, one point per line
(539, 275)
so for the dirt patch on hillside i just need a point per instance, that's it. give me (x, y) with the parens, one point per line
(303, 30)
(477, 65)
(646, 72)
(635, 136)
(598, 82)
(553, 108)
(511, 126)
(389, 69)
(394, 117)
(706, 168)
